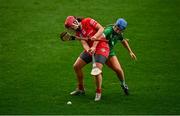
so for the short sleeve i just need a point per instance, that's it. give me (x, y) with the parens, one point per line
(107, 32)
(93, 22)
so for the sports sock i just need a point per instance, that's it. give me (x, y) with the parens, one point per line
(98, 90)
(122, 82)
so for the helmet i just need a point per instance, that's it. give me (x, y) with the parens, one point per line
(69, 21)
(121, 23)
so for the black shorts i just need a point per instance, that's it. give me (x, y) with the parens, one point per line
(85, 56)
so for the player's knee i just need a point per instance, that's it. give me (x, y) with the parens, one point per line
(76, 67)
(99, 65)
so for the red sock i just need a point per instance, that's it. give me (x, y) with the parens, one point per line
(80, 87)
(98, 90)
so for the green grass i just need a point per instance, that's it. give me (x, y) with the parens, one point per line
(36, 73)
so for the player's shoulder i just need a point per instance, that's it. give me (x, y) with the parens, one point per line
(89, 22)
(109, 29)
(109, 25)
(86, 19)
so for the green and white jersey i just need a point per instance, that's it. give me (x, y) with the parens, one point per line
(113, 38)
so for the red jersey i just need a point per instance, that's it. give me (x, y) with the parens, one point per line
(88, 30)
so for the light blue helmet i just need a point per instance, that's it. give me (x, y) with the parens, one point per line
(121, 23)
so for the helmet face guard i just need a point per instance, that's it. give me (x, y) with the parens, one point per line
(121, 23)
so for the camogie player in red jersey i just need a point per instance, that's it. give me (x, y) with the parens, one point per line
(91, 29)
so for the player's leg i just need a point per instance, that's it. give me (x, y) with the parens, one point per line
(115, 65)
(100, 60)
(81, 61)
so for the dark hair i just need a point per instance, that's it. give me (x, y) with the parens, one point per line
(79, 18)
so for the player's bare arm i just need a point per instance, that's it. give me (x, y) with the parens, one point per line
(99, 32)
(96, 37)
(126, 45)
(85, 45)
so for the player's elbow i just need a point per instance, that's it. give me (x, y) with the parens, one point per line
(100, 28)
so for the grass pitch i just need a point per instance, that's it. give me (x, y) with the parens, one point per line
(36, 73)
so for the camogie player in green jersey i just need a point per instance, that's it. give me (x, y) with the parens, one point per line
(114, 34)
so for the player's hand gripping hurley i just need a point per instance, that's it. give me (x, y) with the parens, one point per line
(65, 36)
